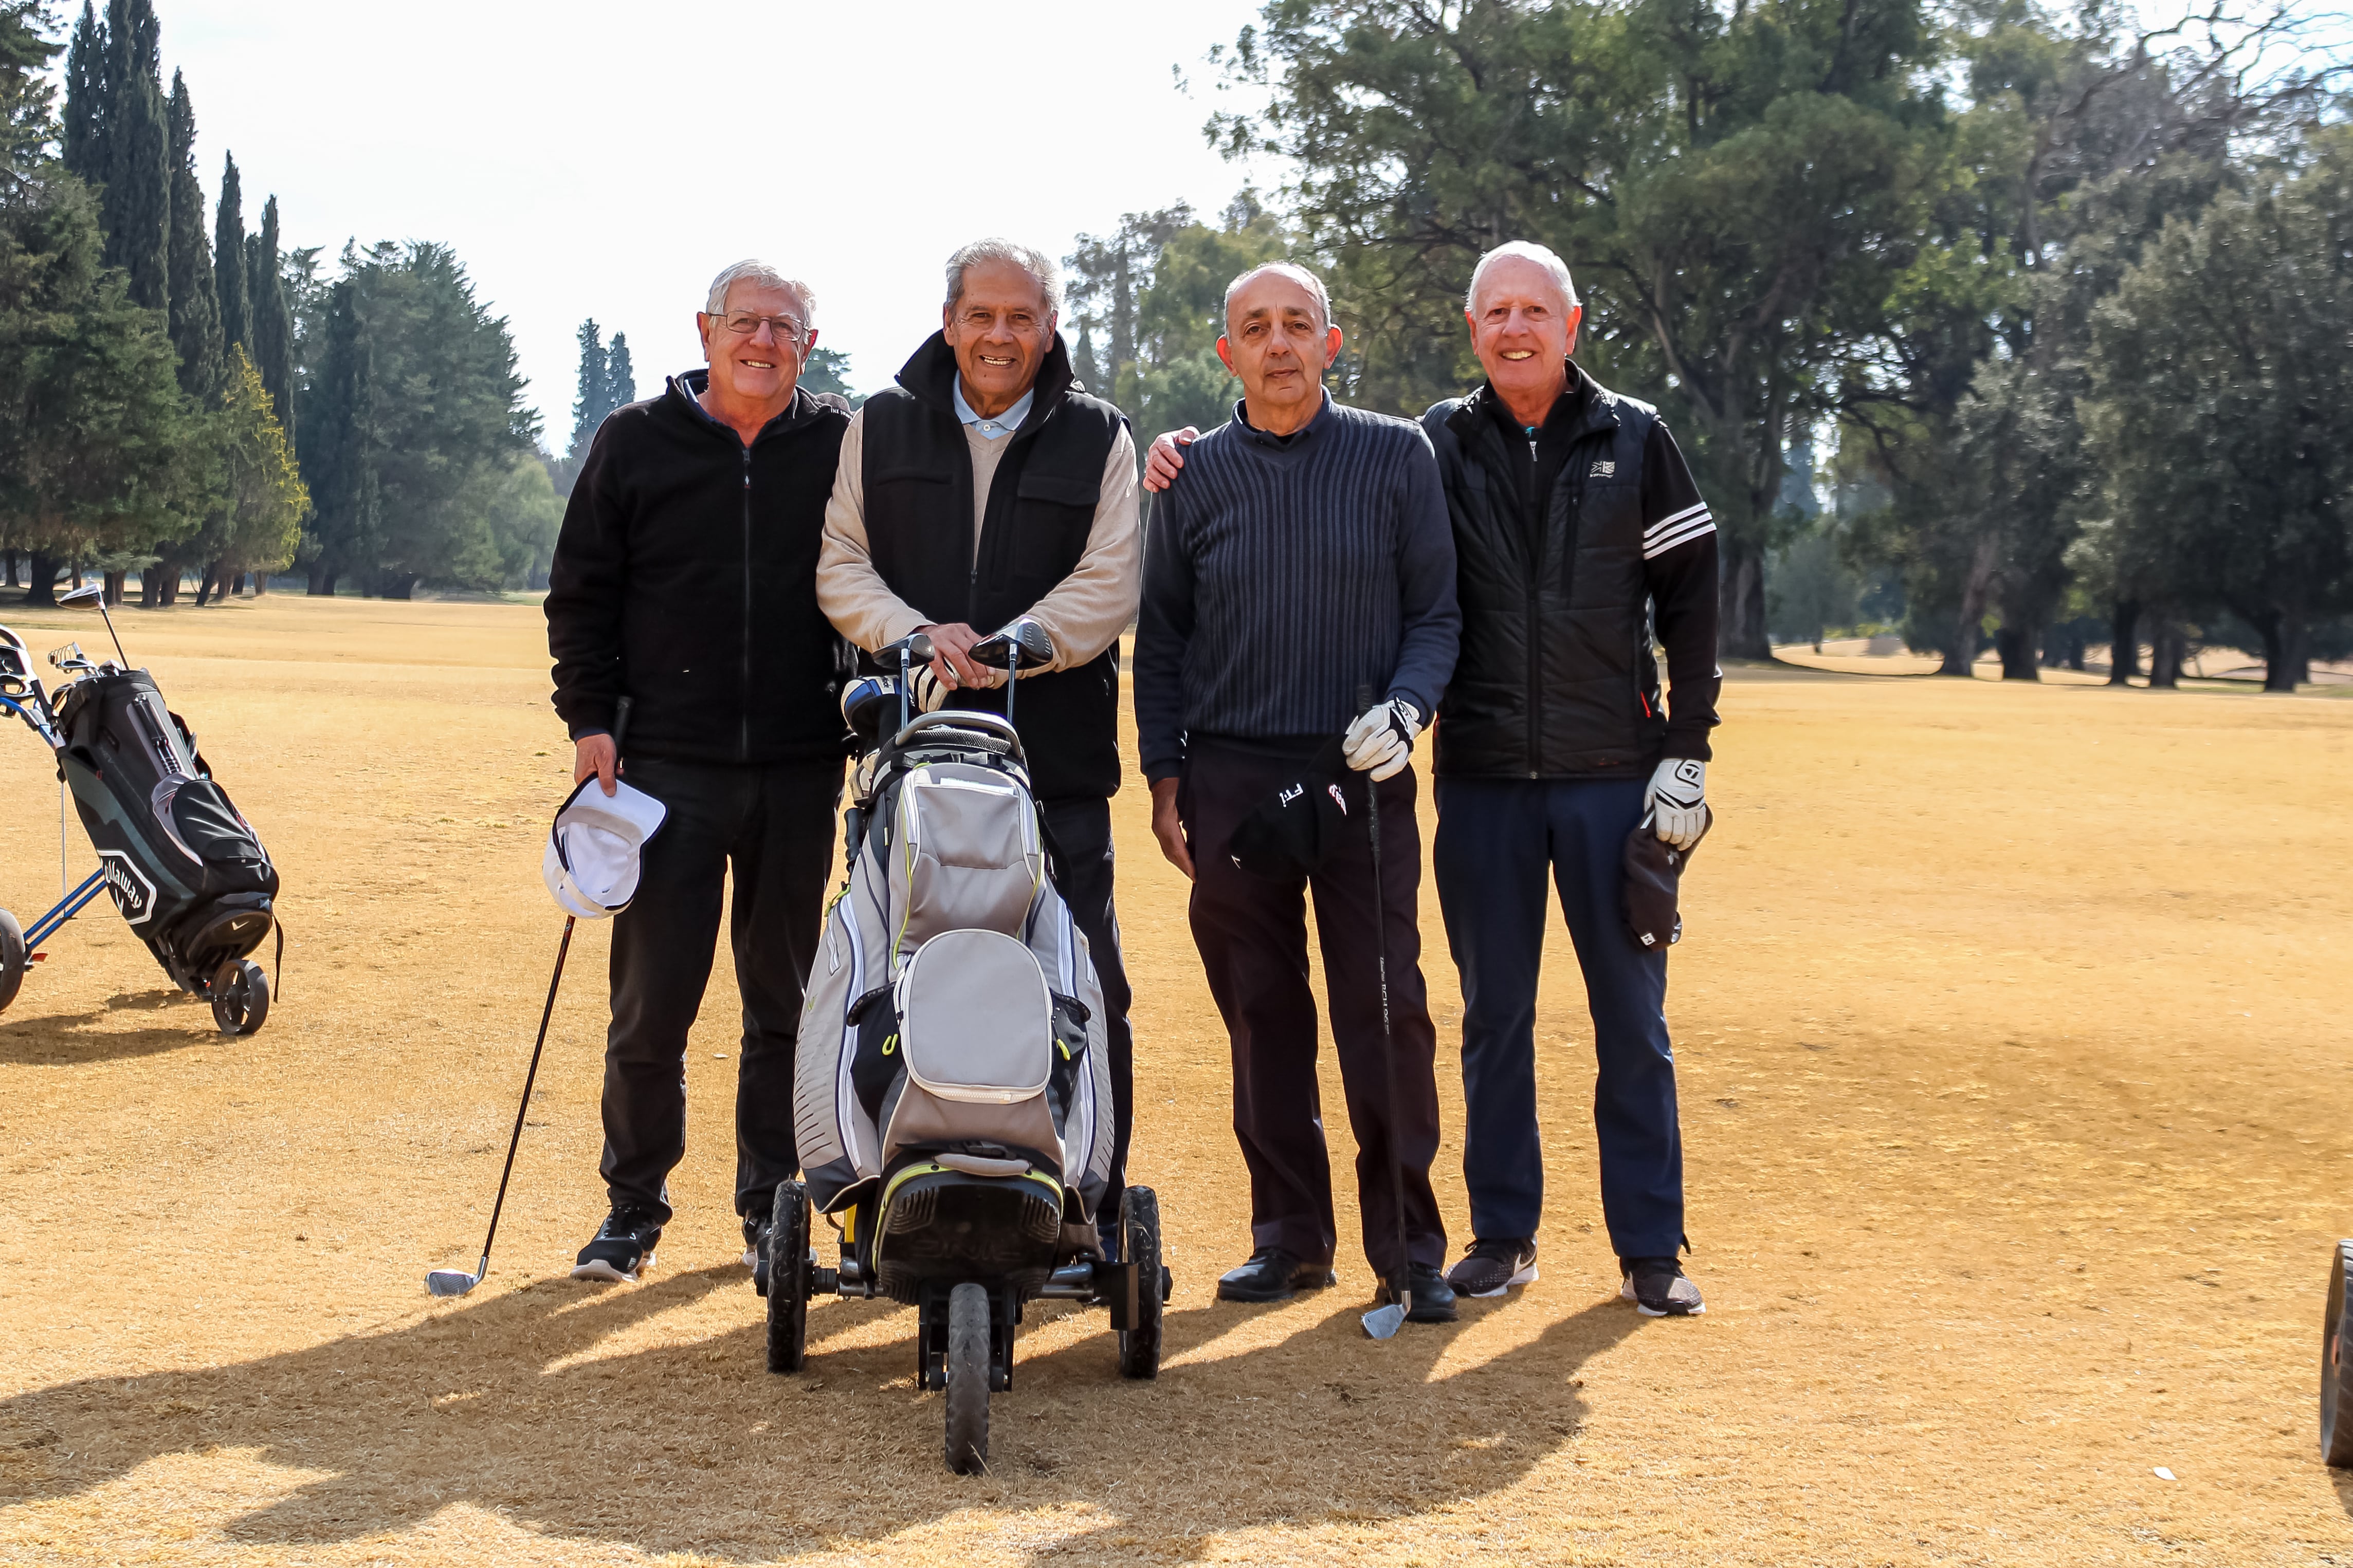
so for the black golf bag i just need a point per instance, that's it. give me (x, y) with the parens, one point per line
(183, 865)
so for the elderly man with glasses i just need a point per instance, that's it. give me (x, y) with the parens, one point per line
(685, 581)
(985, 487)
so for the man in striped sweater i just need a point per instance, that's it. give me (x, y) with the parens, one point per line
(1303, 556)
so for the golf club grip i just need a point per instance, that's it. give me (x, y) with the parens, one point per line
(622, 724)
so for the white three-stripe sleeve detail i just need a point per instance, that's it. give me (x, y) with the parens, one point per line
(1699, 527)
(1698, 509)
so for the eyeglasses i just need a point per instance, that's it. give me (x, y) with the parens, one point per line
(744, 323)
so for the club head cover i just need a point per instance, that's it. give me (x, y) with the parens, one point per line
(1653, 878)
(591, 863)
(1295, 829)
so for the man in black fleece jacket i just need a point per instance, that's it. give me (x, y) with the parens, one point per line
(1302, 557)
(685, 580)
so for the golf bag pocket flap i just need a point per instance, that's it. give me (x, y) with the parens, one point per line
(968, 852)
(206, 825)
(975, 1020)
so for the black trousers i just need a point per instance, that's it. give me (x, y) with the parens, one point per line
(1081, 830)
(1252, 933)
(772, 826)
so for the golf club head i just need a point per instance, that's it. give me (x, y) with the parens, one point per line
(457, 1282)
(87, 597)
(1383, 1323)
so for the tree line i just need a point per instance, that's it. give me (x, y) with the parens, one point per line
(178, 396)
(2059, 296)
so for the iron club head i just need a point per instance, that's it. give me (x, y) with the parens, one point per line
(457, 1282)
(1383, 1323)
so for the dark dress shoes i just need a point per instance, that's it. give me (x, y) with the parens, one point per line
(1273, 1275)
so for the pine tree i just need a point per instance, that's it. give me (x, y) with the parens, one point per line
(272, 340)
(589, 408)
(339, 448)
(88, 98)
(620, 375)
(136, 208)
(27, 125)
(195, 304)
(228, 259)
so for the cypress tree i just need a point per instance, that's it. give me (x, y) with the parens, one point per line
(195, 302)
(340, 453)
(228, 260)
(87, 97)
(136, 209)
(589, 408)
(272, 330)
(620, 375)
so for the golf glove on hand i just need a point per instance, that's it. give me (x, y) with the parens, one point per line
(1380, 742)
(924, 692)
(1678, 799)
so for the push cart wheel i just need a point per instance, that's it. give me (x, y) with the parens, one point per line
(240, 997)
(13, 960)
(789, 1278)
(2337, 1364)
(967, 1379)
(1139, 1228)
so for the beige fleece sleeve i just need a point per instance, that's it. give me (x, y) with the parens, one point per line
(1086, 611)
(848, 590)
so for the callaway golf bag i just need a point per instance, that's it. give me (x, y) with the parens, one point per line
(182, 864)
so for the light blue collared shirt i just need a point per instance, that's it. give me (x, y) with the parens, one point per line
(1003, 425)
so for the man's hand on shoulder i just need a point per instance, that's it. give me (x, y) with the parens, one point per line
(1678, 799)
(951, 660)
(594, 754)
(1167, 827)
(1166, 457)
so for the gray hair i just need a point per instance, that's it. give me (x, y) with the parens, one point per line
(1297, 274)
(752, 270)
(982, 252)
(1521, 250)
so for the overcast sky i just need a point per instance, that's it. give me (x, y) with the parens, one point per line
(596, 159)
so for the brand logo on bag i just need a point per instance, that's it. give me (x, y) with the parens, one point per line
(133, 894)
(1604, 470)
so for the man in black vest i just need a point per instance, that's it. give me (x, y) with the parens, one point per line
(685, 580)
(985, 486)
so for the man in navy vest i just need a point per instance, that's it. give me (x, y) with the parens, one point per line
(987, 485)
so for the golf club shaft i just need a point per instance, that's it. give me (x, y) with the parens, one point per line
(1402, 1286)
(113, 633)
(530, 1078)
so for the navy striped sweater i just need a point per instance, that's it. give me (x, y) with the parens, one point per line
(1282, 574)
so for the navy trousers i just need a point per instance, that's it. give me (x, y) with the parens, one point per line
(1496, 840)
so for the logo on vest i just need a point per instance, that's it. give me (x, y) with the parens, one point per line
(1285, 797)
(1605, 469)
(1337, 798)
(133, 893)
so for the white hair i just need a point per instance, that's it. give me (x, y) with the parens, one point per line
(752, 270)
(983, 252)
(1297, 274)
(1521, 250)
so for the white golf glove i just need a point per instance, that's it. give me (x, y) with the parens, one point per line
(924, 692)
(1380, 742)
(1678, 799)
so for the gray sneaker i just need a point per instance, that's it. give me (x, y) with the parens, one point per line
(1492, 1267)
(1658, 1288)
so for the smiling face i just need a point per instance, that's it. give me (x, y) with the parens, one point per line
(1523, 328)
(759, 368)
(999, 327)
(1278, 342)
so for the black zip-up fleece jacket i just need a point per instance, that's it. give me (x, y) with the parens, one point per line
(1559, 589)
(685, 578)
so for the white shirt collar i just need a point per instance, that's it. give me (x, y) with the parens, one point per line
(1003, 424)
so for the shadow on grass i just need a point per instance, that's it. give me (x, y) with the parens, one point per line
(65, 1039)
(544, 1407)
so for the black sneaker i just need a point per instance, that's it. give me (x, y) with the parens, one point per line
(1273, 1275)
(756, 1226)
(1433, 1297)
(624, 1246)
(1658, 1288)
(1493, 1267)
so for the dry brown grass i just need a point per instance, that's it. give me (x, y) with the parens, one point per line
(2018, 1128)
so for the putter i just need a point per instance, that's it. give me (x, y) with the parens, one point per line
(457, 1282)
(1383, 1323)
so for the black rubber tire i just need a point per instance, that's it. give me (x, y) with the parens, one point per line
(1139, 1227)
(2336, 1363)
(240, 993)
(13, 960)
(789, 1278)
(967, 1378)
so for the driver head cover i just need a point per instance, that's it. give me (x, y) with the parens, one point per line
(591, 864)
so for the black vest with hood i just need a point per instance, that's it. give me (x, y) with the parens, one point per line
(1041, 507)
(1556, 678)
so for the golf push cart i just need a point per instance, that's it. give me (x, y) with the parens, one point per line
(953, 1089)
(183, 867)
